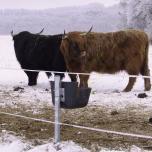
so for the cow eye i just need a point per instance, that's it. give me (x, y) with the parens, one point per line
(75, 46)
(75, 50)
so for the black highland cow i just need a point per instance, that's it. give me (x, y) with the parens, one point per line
(38, 52)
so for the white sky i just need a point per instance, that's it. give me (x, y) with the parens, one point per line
(42, 4)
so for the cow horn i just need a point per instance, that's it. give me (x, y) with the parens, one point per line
(12, 33)
(90, 30)
(41, 31)
(64, 36)
(87, 32)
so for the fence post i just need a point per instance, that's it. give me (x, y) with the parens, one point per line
(57, 109)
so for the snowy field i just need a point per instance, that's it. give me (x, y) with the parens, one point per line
(106, 91)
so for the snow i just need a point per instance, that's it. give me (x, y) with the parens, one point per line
(106, 91)
(11, 143)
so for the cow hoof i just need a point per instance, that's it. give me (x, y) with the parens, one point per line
(126, 90)
(31, 84)
(148, 88)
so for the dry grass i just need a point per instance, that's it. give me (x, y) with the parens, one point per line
(129, 120)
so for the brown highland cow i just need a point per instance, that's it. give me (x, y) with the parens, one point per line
(107, 53)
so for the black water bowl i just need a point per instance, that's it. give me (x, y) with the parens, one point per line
(74, 97)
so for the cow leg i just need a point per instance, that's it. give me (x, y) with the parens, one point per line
(130, 84)
(84, 80)
(132, 70)
(73, 77)
(58, 74)
(32, 77)
(145, 72)
(147, 82)
(48, 74)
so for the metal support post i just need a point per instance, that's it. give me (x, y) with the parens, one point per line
(57, 109)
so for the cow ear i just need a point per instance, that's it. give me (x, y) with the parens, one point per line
(64, 37)
(83, 34)
(83, 54)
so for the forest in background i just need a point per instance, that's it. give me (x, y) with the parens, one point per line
(127, 14)
(57, 19)
(137, 14)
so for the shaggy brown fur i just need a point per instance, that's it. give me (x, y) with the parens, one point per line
(107, 53)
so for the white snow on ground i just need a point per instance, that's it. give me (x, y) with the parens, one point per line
(10, 143)
(106, 91)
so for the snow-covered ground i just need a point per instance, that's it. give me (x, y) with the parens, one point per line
(9, 143)
(106, 91)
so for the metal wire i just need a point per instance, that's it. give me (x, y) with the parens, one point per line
(81, 127)
(75, 73)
